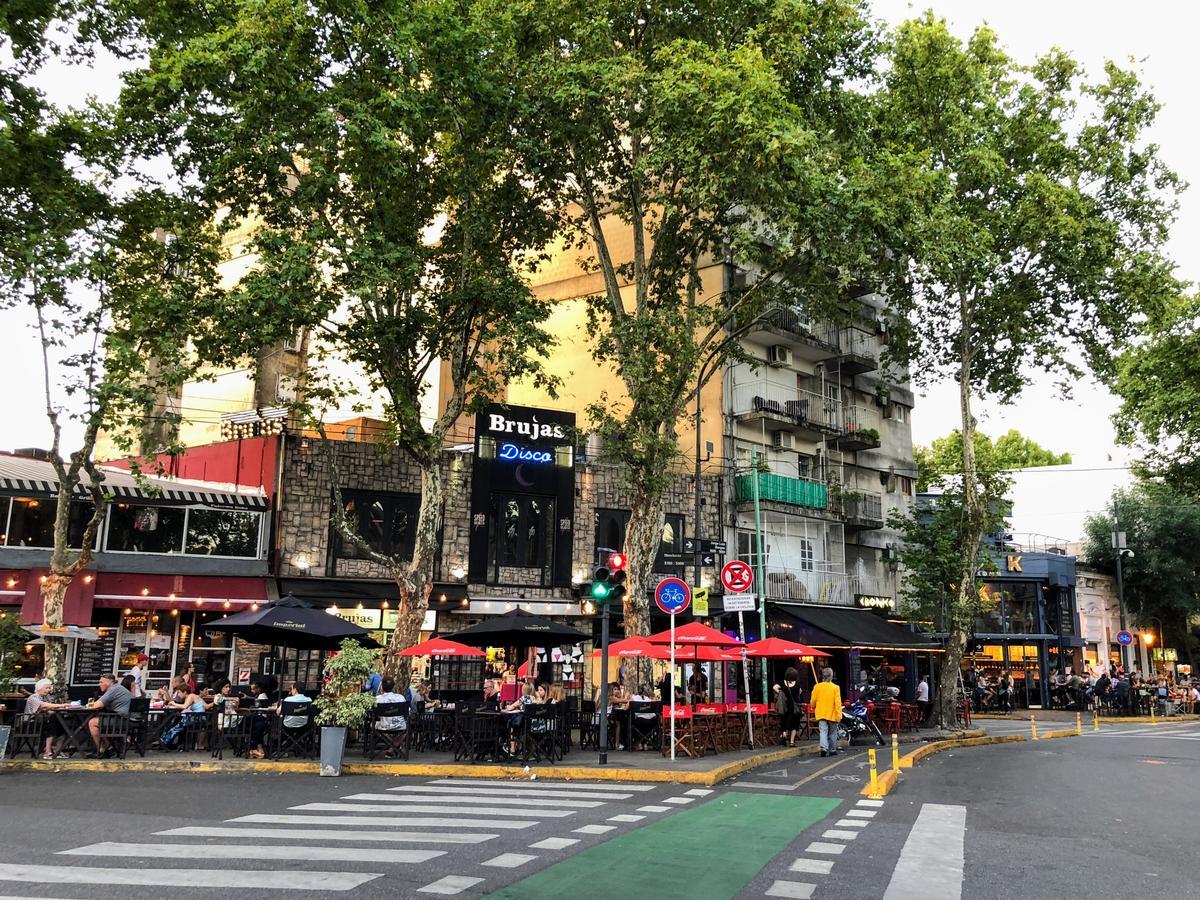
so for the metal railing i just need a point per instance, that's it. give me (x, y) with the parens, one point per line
(855, 343)
(808, 585)
(796, 406)
(864, 506)
(795, 320)
(859, 418)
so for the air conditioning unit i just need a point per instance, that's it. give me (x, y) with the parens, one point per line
(779, 355)
(783, 440)
(285, 388)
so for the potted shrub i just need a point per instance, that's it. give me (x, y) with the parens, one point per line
(342, 703)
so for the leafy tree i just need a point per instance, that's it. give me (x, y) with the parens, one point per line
(1011, 451)
(12, 639)
(1162, 527)
(397, 212)
(732, 132)
(1158, 381)
(118, 271)
(1038, 232)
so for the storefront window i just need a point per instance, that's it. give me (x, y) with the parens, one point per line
(526, 531)
(29, 521)
(1021, 608)
(145, 529)
(220, 532)
(151, 632)
(210, 653)
(610, 534)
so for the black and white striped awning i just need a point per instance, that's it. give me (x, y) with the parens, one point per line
(21, 475)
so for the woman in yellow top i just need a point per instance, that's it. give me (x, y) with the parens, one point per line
(827, 710)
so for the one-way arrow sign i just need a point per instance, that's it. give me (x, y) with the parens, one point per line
(703, 545)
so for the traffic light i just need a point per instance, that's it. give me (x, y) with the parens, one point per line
(608, 581)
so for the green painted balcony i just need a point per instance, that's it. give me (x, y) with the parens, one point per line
(781, 489)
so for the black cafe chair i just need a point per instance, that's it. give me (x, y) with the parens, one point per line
(540, 739)
(298, 740)
(26, 734)
(139, 725)
(235, 729)
(381, 733)
(114, 729)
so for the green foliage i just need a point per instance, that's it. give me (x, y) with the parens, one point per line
(12, 639)
(1011, 451)
(1162, 528)
(1158, 382)
(343, 701)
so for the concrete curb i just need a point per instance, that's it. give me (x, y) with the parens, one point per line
(290, 767)
(887, 781)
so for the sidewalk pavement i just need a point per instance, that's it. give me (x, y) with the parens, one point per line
(579, 765)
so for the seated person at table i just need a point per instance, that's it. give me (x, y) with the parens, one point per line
(176, 692)
(556, 694)
(51, 727)
(114, 699)
(195, 715)
(640, 730)
(392, 727)
(491, 695)
(261, 723)
(540, 694)
(516, 709)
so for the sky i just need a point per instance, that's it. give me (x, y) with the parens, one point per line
(1155, 36)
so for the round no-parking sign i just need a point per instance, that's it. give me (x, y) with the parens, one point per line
(737, 577)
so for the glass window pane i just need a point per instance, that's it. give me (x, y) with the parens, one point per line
(81, 514)
(5, 503)
(32, 523)
(219, 532)
(145, 529)
(509, 534)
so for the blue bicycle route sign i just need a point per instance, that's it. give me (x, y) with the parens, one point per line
(672, 595)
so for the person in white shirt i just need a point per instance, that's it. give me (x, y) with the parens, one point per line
(138, 676)
(923, 697)
(294, 696)
(393, 727)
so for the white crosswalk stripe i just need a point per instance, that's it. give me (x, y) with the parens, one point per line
(466, 810)
(403, 826)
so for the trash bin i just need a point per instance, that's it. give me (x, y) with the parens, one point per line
(333, 747)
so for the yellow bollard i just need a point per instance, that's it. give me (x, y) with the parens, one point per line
(895, 753)
(1153, 717)
(1032, 729)
(1096, 720)
(874, 792)
(1079, 723)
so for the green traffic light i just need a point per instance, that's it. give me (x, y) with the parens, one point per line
(600, 590)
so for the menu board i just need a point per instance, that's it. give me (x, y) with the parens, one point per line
(94, 658)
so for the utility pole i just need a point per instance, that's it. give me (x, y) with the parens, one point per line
(760, 577)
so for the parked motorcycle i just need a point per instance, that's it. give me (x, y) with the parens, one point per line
(855, 721)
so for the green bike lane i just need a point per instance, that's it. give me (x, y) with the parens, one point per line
(708, 852)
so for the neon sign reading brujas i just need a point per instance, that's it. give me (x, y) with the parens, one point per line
(524, 454)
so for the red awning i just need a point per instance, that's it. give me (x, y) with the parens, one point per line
(24, 586)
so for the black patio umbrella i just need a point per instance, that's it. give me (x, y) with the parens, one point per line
(518, 628)
(292, 623)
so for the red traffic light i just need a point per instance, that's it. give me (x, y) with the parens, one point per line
(616, 561)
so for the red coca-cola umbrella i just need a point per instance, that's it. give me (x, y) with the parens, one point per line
(441, 647)
(778, 648)
(695, 633)
(640, 648)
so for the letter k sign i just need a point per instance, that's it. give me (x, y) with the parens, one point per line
(1014, 563)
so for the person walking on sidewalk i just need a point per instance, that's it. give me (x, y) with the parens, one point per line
(827, 710)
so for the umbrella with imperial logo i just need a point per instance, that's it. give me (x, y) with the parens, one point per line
(289, 622)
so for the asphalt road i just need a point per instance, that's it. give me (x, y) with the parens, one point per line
(1102, 813)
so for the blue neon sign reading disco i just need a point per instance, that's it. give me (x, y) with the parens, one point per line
(524, 454)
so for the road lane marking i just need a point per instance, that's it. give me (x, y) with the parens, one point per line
(212, 878)
(812, 866)
(869, 803)
(838, 835)
(550, 785)
(453, 810)
(861, 813)
(679, 801)
(494, 801)
(625, 817)
(330, 834)
(795, 889)
(851, 823)
(769, 787)
(931, 863)
(509, 860)
(654, 808)
(595, 829)
(823, 847)
(261, 851)
(478, 793)
(419, 821)
(451, 884)
(554, 844)
(698, 792)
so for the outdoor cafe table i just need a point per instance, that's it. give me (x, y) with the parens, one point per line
(73, 720)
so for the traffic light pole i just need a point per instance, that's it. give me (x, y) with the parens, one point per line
(603, 710)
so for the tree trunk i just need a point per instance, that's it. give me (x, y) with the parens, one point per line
(416, 579)
(642, 539)
(54, 594)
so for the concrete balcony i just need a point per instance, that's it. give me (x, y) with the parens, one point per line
(860, 429)
(863, 510)
(800, 585)
(803, 413)
(791, 326)
(857, 352)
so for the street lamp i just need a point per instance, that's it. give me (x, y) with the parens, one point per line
(1118, 545)
(1150, 640)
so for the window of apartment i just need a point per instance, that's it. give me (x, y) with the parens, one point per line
(896, 411)
(904, 485)
(29, 521)
(145, 529)
(386, 520)
(806, 554)
(611, 525)
(747, 548)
